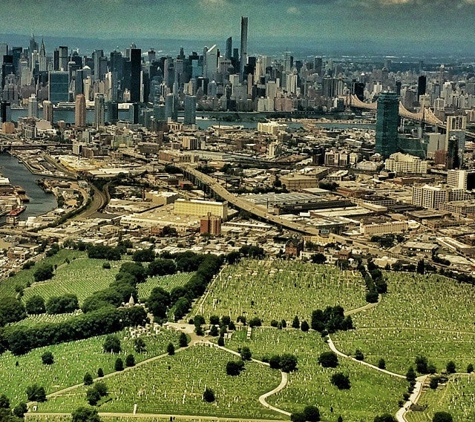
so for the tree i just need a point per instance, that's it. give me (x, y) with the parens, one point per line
(304, 326)
(208, 395)
(36, 393)
(234, 367)
(328, 360)
(311, 413)
(158, 302)
(246, 353)
(4, 402)
(382, 364)
(85, 414)
(171, 349)
(318, 258)
(100, 373)
(119, 364)
(451, 367)
(35, 305)
(341, 381)
(214, 331)
(92, 396)
(11, 310)
(297, 417)
(20, 409)
(88, 379)
(183, 340)
(47, 358)
(130, 360)
(161, 267)
(422, 365)
(442, 417)
(469, 368)
(288, 362)
(255, 322)
(411, 374)
(274, 362)
(420, 267)
(359, 355)
(44, 272)
(112, 344)
(385, 418)
(296, 322)
(221, 341)
(101, 387)
(139, 345)
(434, 383)
(143, 255)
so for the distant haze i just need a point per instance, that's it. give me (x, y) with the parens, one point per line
(314, 27)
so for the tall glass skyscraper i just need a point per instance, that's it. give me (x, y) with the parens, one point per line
(190, 110)
(387, 121)
(243, 58)
(58, 86)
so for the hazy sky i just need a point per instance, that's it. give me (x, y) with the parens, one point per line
(372, 20)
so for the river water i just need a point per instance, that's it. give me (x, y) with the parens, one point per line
(40, 201)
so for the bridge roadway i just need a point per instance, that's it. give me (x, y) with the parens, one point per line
(242, 204)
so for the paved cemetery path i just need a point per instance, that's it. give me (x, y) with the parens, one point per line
(364, 308)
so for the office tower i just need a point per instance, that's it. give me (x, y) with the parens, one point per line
(229, 48)
(99, 110)
(398, 88)
(171, 108)
(421, 86)
(387, 121)
(318, 65)
(80, 111)
(112, 112)
(135, 69)
(42, 62)
(243, 55)
(5, 112)
(7, 68)
(190, 110)
(33, 106)
(211, 63)
(3, 51)
(159, 113)
(16, 54)
(79, 82)
(134, 111)
(48, 111)
(96, 56)
(456, 126)
(58, 88)
(63, 58)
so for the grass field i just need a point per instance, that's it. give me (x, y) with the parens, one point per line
(174, 385)
(168, 282)
(430, 316)
(72, 361)
(456, 397)
(81, 277)
(275, 289)
(22, 278)
(371, 392)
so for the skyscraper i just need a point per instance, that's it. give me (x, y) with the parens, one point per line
(421, 86)
(63, 58)
(80, 111)
(99, 110)
(135, 68)
(58, 87)
(33, 106)
(243, 56)
(387, 121)
(190, 110)
(48, 111)
(229, 48)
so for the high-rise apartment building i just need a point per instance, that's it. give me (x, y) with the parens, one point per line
(33, 106)
(229, 48)
(48, 111)
(63, 58)
(80, 111)
(99, 110)
(387, 121)
(243, 55)
(457, 179)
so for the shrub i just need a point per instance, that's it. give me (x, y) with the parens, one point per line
(304, 326)
(341, 381)
(171, 349)
(36, 393)
(274, 323)
(183, 340)
(221, 341)
(311, 413)
(246, 353)
(451, 367)
(208, 395)
(328, 360)
(255, 322)
(382, 364)
(87, 378)
(469, 368)
(442, 417)
(112, 344)
(234, 368)
(288, 362)
(92, 396)
(359, 355)
(47, 358)
(130, 360)
(119, 364)
(100, 373)
(274, 362)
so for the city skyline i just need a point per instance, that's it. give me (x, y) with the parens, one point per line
(413, 25)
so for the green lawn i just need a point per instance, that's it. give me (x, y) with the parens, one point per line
(25, 277)
(421, 315)
(81, 277)
(371, 392)
(72, 361)
(168, 283)
(175, 384)
(456, 397)
(276, 289)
